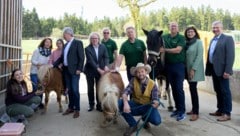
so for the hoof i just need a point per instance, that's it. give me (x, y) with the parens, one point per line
(170, 108)
(60, 110)
(165, 97)
(105, 124)
(43, 112)
(115, 121)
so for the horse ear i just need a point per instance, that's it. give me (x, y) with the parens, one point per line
(160, 33)
(145, 31)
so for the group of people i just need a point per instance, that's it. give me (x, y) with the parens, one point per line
(183, 60)
(184, 54)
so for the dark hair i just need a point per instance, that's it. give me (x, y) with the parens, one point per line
(194, 29)
(13, 86)
(43, 41)
(60, 40)
(13, 72)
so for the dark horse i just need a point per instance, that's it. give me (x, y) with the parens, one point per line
(156, 61)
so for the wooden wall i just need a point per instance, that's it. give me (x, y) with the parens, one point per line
(10, 41)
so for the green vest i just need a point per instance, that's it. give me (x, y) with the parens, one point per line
(138, 96)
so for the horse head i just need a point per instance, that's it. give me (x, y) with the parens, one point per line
(154, 43)
(110, 87)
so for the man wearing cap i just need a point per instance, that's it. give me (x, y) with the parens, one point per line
(145, 96)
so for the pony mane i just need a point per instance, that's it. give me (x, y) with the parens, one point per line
(42, 71)
(108, 93)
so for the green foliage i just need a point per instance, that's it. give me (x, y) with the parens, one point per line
(202, 18)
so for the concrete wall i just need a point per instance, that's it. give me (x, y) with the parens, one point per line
(207, 85)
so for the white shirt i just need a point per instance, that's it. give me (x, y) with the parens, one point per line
(96, 50)
(65, 63)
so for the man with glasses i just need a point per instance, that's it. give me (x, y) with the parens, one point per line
(111, 46)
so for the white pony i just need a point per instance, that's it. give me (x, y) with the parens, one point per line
(110, 87)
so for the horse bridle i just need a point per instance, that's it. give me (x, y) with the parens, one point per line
(151, 52)
(44, 83)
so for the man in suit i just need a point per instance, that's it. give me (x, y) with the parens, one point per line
(72, 59)
(96, 65)
(219, 65)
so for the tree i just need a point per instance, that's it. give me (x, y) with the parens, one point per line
(47, 25)
(31, 24)
(134, 7)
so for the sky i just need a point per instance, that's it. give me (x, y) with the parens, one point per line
(90, 9)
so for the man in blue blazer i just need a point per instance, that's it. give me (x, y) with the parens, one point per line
(219, 65)
(97, 61)
(72, 59)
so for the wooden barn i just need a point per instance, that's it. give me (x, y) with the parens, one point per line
(10, 42)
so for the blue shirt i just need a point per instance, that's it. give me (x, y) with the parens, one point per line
(212, 48)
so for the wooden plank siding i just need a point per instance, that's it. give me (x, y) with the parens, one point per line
(10, 41)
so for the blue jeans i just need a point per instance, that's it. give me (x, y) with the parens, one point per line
(35, 81)
(223, 92)
(176, 74)
(72, 83)
(139, 110)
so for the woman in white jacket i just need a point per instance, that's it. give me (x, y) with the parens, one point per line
(40, 57)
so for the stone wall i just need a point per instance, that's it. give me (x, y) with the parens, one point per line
(207, 85)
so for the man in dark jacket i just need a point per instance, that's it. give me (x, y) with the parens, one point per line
(219, 65)
(72, 59)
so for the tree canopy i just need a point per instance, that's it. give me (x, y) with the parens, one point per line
(202, 18)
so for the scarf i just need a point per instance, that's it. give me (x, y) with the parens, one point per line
(190, 42)
(44, 51)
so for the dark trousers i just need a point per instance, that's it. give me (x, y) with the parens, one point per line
(72, 83)
(175, 74)
(129, 76)
(91, 82)
(194, 97)
(223, 92)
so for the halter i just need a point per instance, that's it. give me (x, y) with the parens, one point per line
(151, 52)
(110, 113)
(45, 84)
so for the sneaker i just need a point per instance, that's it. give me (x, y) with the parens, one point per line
(174, 114)
(181, 117)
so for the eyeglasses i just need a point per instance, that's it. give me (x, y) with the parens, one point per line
(105, 32)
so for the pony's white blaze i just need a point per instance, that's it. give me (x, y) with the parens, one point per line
(42, 71)
(109, 89)
(108, 94)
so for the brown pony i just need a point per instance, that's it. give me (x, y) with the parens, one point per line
(51, 79)
(110, 87)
